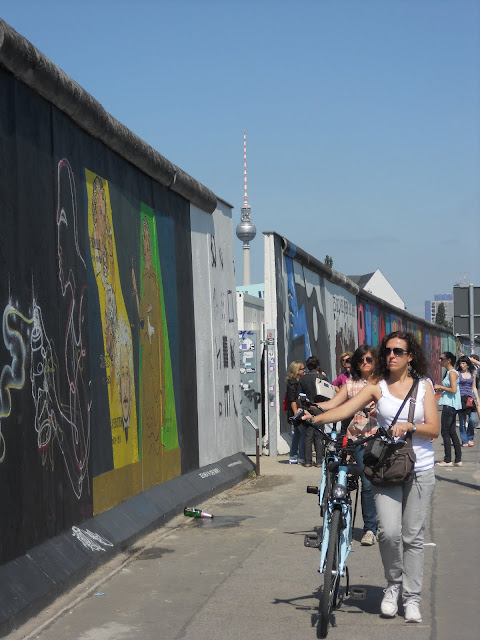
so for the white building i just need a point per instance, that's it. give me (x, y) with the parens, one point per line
(376, 284)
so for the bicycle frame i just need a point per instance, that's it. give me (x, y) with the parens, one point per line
(340, 502)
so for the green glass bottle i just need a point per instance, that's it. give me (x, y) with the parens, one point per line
(196, 513)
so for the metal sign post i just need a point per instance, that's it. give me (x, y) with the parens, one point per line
(466, 312)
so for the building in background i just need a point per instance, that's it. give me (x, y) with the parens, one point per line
(431, 307)
(376, 284)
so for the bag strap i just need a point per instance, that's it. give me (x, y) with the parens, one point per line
(413, 401)
(412, 390)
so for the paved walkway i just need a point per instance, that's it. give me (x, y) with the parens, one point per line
(246, 574)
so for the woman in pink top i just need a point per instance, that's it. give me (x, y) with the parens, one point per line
(346, 362)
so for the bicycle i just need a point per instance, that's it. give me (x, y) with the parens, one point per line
(339, 478)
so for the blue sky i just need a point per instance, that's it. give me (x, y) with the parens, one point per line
(362, 118)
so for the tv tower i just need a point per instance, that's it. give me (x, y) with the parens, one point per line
(246, 230)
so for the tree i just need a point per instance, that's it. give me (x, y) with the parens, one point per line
(440, 317)
(329, 261)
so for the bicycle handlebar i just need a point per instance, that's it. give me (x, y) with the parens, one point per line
(380, 433)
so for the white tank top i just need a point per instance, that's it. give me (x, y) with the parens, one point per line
(387, 408)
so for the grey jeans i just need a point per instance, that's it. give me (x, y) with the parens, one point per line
(401, 518)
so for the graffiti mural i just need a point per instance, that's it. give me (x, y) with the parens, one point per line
(117, 358)
(12, 375)
(375, 322)
(62, 414)
(321, 318)
(160, 452)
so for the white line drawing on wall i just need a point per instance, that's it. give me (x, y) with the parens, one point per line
(12, 375)
(91, 540)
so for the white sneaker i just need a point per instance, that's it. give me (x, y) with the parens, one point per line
(458, 464)
(368, 539)
(389, 606)
(293, 460)
(412, 612)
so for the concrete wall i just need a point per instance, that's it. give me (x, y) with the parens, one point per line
(312, 310)
(216, 327)
(117, 296)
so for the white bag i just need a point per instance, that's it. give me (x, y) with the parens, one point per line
(324, 388)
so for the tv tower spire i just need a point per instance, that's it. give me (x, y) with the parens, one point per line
(246, 230)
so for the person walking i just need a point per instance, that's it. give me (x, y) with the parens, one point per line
(308, 385)
(401, 509)
(362, 424)
(475, 360)
(295, 372)
(468, 389)
(450, 402)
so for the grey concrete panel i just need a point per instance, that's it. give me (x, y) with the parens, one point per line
(23, 586)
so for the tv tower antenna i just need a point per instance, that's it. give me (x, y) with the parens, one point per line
(246, 230)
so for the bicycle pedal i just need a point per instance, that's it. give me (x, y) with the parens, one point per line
(312, 489)
(312, 541)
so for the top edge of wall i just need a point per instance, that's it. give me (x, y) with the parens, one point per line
(304, 258)
(34, 69)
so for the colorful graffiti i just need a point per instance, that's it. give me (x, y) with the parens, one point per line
(374, 323)
(160, 451)
(117, 337)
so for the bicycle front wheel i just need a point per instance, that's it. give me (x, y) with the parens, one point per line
(331, 579)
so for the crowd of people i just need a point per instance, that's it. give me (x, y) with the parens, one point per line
(370, 390)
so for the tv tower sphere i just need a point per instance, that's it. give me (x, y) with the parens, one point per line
(246, 230)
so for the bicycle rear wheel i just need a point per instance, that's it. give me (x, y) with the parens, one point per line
(331, 579)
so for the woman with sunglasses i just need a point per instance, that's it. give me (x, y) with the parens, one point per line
(346, 362)
(450, 403)
(401, 510)
(362, 424)
(468, 389)
(295, 371)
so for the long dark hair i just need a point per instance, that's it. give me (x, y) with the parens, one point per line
(419, 365)
(470, 366)
(357, 359)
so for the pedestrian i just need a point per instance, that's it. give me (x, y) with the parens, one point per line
(401, 509)
(308, 385)
(468, 389)
(295, 372)
(362, 424)
(346, 362)
(475, 360)
(450, 402)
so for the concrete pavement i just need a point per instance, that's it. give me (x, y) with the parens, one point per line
(246, 573)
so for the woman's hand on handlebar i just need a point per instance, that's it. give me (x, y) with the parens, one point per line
(307, 415)
(316, 420)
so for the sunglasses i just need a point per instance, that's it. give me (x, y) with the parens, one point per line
(396, 351)
(367, 359)
(347, 360)
(302, 369)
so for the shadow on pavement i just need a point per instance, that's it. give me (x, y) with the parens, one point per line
(458, 482)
